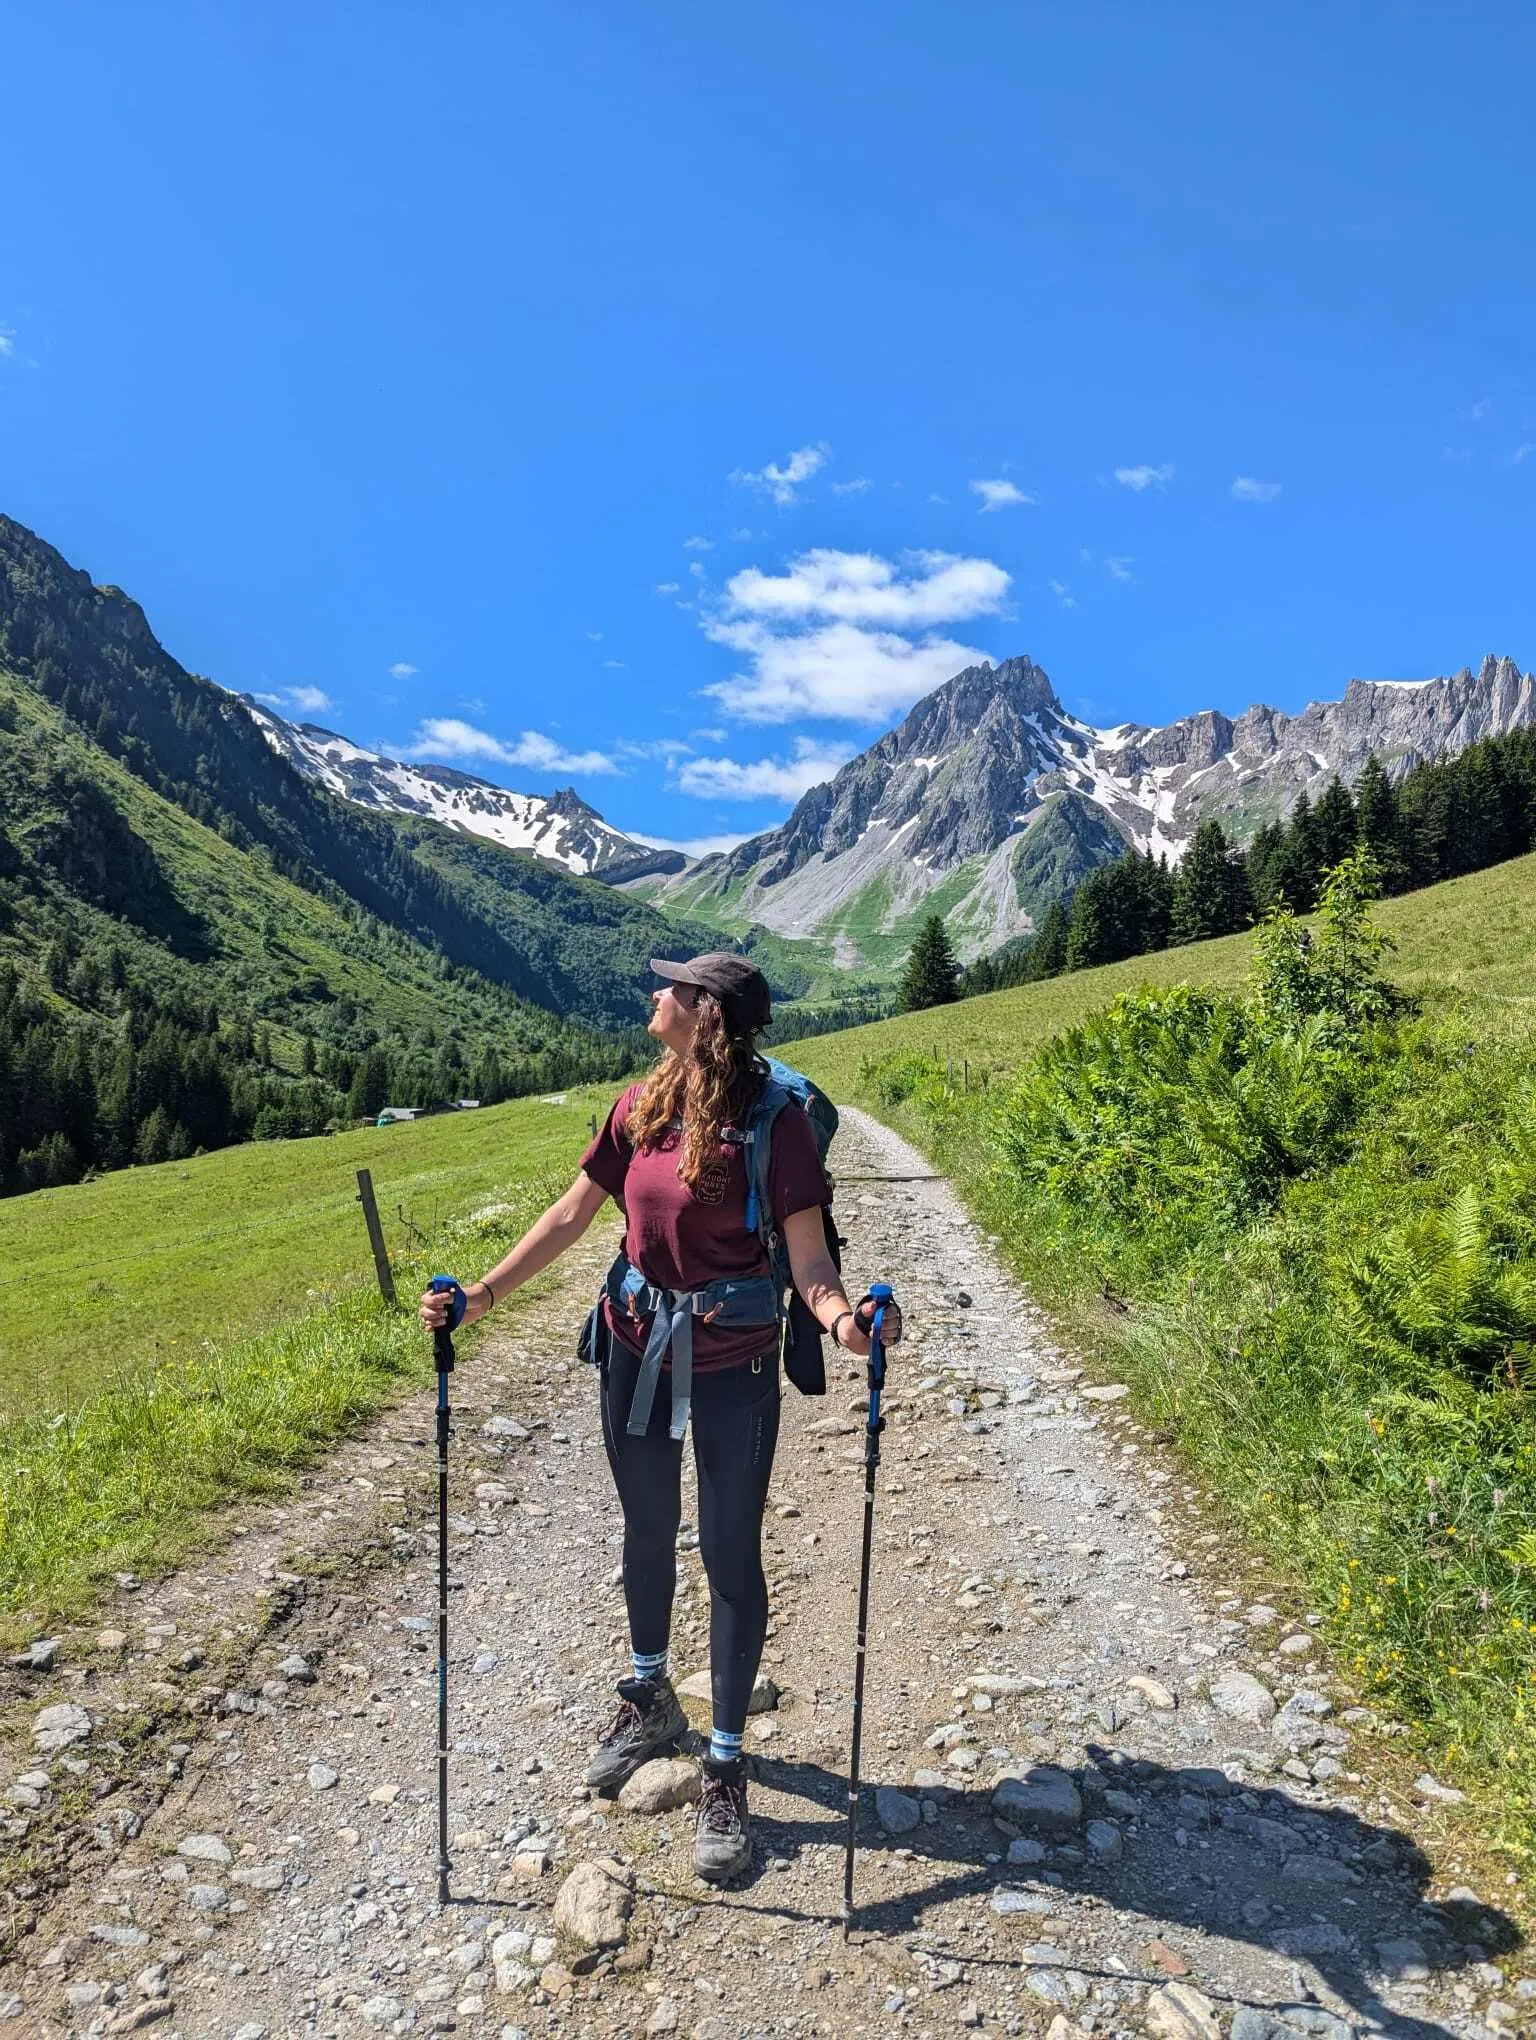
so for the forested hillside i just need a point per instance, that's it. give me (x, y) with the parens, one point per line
(196, 946)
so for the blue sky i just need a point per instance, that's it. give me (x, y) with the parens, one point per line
(662, 398)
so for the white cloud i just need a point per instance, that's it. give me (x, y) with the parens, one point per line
(933, 498)
(764, 778)
(696, 567)
(1118, 566)
(928, 588)
(708, 735)
(445, 737)
(7, 340)
(1063, 594)
(1247, 490)
(1139, 478)
(781, 482)
(401, 670)
(835, 670)
(1479, 410)
(614, 665)
(742, 535)
(698, 545)
(854, 488)
(306, 700)
(997, 495)
(594, 637)
(833, 635)
(667, 587)
(669, 748)
(1523, 453)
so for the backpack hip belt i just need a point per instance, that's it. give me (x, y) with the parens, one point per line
(739, 1300)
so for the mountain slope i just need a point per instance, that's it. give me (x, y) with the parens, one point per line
(562, 828)
(570, 944)
(990, 802)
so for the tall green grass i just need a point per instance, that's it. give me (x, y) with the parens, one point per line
(1312, 1249)
(124, 1481)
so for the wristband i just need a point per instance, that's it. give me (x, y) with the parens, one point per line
(832, 1328)
(489, 1291)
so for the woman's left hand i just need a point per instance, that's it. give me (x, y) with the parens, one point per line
(853, 1336)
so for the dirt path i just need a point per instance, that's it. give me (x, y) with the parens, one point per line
(258, 1859)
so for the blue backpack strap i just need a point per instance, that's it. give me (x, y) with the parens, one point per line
(769, 1103)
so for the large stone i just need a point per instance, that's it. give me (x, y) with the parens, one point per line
(1287, 2022)
(1180, 2012)
(509, 1959)
(204, 1849)
(765, 1694)
(1404, 1958)
(661, 1786)
(595, 1903)
(1004, 1685)
(38, 1655)
(897, 1812)
(1242, 1696)
(1154, 1692)
(1043, 1800)
(57, 1728)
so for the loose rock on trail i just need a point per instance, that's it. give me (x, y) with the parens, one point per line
(1104, 1791)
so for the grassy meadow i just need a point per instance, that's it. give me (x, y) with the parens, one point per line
(1476, 935)
(105, 1279)
(179, 1336)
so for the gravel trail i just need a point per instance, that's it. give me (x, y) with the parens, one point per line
(1106, 1790)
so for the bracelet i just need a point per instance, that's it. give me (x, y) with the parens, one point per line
(489, 1291)
(832, 1328)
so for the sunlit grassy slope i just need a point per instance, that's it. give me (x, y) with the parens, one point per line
(107, 1278)
(1475, 934)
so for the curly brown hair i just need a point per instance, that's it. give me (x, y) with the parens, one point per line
(709, 1088)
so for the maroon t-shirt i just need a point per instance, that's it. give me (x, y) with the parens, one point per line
(684, 1239)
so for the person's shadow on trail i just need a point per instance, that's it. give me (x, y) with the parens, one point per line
(1248, 1862)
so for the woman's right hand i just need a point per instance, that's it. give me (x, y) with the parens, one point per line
(433, 1307)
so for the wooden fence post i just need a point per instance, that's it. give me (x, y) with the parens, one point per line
(365, 1197)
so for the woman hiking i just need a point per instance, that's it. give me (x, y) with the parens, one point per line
(671, 1153)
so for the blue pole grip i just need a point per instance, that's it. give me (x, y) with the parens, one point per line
(445, 1285)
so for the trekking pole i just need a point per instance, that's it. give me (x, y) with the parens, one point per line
(880, 1296)
(442, 1347)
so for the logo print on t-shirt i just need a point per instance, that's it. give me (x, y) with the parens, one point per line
(712, 1182)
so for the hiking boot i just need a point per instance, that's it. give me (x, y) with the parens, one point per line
(650, 1720)
(722, 1843)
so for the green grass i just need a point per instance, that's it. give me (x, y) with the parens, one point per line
(1475, 934)
(105, 1280)
(1320, 1361)
(181, 1336)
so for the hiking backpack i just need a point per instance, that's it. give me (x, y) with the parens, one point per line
(800, 1334)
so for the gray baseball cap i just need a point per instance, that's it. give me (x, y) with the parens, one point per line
(736, 982)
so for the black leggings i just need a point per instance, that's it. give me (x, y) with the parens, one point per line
(735, 1425)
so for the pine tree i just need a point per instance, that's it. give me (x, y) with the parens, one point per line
(1046, 956)
(1297, 871)
(932, 977)
(1211, 895)
(1336, 825)
(1379, 821)
(369, 1093)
